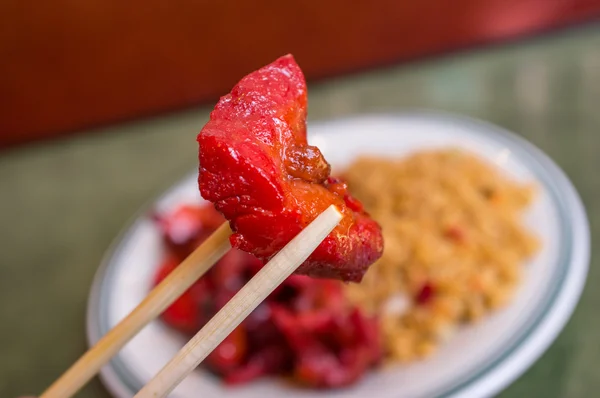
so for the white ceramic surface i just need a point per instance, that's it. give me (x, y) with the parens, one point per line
(478, 362)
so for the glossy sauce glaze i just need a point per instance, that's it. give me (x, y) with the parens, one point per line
(258, 169)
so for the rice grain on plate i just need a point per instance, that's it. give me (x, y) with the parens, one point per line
(454, 245)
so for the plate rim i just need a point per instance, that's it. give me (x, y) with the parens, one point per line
(521, 354)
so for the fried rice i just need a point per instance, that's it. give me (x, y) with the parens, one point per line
(455, 245)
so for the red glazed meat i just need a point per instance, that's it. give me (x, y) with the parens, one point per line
(306, 330)
(259, 171)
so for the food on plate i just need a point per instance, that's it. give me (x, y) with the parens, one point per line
(455, 245)
(259, 171)
(455, 251)
(306, 329)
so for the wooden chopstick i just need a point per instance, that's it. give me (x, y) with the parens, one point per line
(163, 295)
(239, 307)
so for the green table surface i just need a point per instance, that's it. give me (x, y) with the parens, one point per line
(63, 202)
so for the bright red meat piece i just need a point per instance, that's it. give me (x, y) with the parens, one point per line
(258, 169)
(230, 355)
(332, 348)
(187, 227)
(185, 314)
(305, 328)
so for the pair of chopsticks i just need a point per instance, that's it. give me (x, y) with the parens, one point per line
(282, 265)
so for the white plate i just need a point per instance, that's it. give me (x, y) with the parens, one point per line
(478, 362)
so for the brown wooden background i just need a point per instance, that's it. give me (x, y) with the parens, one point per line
(70, 64)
